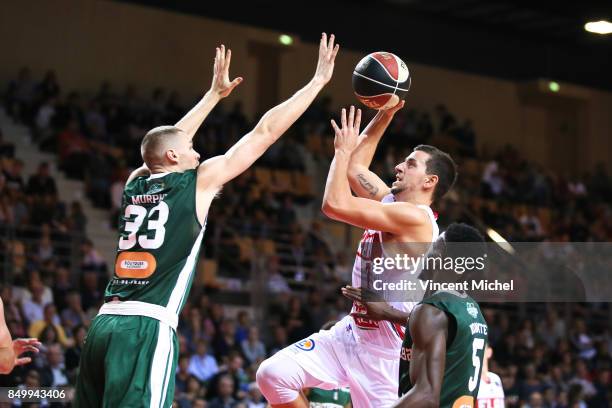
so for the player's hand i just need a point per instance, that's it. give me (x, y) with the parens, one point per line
(221, 84)
(347, 137)
(392, 111)
(376, 308)
(327, 56)
(21, 346)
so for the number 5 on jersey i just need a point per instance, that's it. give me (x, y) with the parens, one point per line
(477, 345)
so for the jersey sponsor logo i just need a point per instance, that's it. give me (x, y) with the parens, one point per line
(305, 345)
(464, 401)
(127, 264)
(139, 265)
(472, 309)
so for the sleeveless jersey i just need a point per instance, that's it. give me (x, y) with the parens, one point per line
(464, 350)
(160, 239)
(491, 392)
(385, 336)
(338, 398)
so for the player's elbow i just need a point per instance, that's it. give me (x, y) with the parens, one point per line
(264, 131)
(327, 208)
(332, 209)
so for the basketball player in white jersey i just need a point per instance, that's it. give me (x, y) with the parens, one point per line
(356, 352)
(491, 391)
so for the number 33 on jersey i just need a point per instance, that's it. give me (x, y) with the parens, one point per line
(160, 239)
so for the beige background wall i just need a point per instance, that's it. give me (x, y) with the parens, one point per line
(87, 41)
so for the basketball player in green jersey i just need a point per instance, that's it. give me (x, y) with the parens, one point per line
(131, 349)
(446, 334)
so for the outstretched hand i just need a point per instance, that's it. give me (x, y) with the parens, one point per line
(21, 346)
(347, 137)
(221, 84)
(327, 56)
(373, 308)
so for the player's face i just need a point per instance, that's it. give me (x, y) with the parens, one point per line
(187, 157)
(410, 175)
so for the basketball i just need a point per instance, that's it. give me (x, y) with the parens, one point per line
(380, 80)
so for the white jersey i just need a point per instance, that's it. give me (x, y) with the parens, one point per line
(491, 392)
(385, 337)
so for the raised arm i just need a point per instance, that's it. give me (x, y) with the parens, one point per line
(220, 88)
(341, 205)
(429, 330)
(364, 182)
(215, 172)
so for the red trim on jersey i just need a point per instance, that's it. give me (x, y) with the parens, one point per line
(399, 330)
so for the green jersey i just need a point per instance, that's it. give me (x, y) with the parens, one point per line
(465, 347)
(337, 398)
(160, 238)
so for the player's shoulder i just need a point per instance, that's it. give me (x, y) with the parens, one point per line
(408, 213)
(426, 316)
(494, 379)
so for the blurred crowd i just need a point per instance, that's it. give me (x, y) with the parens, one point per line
(53, 283)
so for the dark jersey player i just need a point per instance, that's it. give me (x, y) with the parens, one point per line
(446, 337)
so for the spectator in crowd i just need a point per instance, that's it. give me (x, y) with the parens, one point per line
(73, 354)
(242, 326)
(225, 392)
(276, 281)
(255, 399)
(7, 149)
(234, 369)
(34, 304)
(50, 318)
(202, 365)
(42, 183)
(279, 340)
(252, 348)
(77, 221)
(224, 341)
(182, 374)
(92, 260)
(73, 314)
(54, 373)
(582, 341)
(195, 391)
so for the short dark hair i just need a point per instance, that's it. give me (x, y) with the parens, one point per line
(153, 140)
(469, 242)
(462, 232)
(441, 165)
